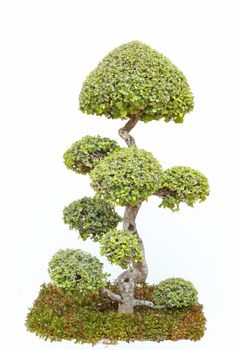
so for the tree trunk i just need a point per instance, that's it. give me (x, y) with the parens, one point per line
(126, 285)
(138, 271)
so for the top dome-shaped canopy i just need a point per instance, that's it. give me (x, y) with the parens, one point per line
(136, 80)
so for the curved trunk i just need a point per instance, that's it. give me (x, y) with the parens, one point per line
(138, 271)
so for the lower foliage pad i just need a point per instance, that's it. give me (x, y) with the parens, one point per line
(58, 315)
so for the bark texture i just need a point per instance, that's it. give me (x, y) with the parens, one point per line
(124, 132)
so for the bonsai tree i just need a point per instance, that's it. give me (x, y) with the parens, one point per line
(133, 83)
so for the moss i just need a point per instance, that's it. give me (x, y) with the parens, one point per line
(58, 315)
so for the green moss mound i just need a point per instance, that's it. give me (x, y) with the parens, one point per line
(58, 315)
(135, 79)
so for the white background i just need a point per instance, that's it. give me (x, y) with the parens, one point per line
(47, 49)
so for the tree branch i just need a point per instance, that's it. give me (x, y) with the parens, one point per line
(131, 123)
(162, 193)
(112, 295)
(148, 304)
(124, 132)
(144, 303)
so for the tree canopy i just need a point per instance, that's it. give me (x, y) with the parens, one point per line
(73, 269)
(135, 79)
(175, 293)
(91, 217)
(121, 247)
(127, 176)
(182, 184)
(84, 154)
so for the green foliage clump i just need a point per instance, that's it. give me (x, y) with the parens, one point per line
(182, 184)
(127, 176)
(58, 315)
(135, 79)
(84, 154)
(175, 293)
(92, 217)
(73, 269)
(121, 247)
